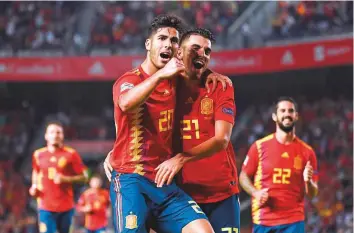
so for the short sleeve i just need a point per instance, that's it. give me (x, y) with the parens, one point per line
(124, 84)
(225, 108)
(251, 161)
(77, 163)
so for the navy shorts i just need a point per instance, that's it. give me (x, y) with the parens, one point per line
(51, 222)
(224, 215)
(135, 199)
(101, 230)
(296, 227)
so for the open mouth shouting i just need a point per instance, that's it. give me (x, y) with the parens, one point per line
(165, 56)
(198, 63)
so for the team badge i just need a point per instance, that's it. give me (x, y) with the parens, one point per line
(62, 162)
(42, 227)
(131, 221)
(53, 159)
(206, 106)
(298, 162)
(97, 205)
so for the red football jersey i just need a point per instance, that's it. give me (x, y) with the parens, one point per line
(280, 168)
(66, 161)
(99, 202)
(143, 137)
(213, 178)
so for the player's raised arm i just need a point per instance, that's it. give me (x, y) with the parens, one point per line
(310, 176)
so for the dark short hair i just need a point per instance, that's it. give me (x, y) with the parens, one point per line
(162, 21)
(198, 31)
(58, 123)
(284, 98)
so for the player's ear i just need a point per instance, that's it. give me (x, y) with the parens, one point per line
(274, 117)
(148, 44)
(296, 116)
(179, 54)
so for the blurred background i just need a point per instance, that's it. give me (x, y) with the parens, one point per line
(58, 60)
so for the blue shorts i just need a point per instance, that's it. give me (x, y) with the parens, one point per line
(296, 227)
(101, 230)
(135, 199)
(224, 215)
(50, 222)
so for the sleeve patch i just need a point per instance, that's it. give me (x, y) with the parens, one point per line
(228, 111)
(126, 86)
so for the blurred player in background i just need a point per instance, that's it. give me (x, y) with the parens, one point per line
(278, 170)
(55, 168)
(94, 203)
(203, 126)
(144, 102)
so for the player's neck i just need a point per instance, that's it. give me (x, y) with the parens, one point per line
(52, 148)
(284, 137)
(148, 67)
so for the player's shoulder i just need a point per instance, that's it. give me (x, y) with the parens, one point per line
(265, 139)
(304, 145)
(69, 149)
(39, 151)
(219, 89)
(131, 73)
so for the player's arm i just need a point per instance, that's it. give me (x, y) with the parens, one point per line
(310, 176)
(137, 95)
(79, 169)
(248, 171)
(213, 77)
(82, 206)
(34, 189)
(211, 146)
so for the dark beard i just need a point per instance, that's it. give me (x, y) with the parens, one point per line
(286, 129)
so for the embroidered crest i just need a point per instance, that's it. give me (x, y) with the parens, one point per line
(298, 162)
(206, 106)
(62, 162)
(97, 204)
(131, 221)
(53, 159)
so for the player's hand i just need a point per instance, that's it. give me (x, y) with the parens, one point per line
(107, 166)
(59, 178)
(168, 169)
(308, 172)
(214, 78)
(261, 196)
(172, 68)
(33, 191)
(87, 209)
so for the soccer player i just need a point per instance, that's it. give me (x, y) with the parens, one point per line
(55, 168)
(278, 171)
(203, 127)
(94, 203)
(144, 102)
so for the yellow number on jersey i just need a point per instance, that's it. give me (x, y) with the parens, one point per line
(167, 117)
(281, 175)
(187, 126)
(51, 173)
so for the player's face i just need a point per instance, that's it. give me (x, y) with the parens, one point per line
(162, 46)
(195, 53)
(95, 182)
(286, 116)
(54, 135)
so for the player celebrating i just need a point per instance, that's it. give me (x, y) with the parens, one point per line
(209, 171)
(283, 168)
(55, 168)
(144, 102)
(94, 203)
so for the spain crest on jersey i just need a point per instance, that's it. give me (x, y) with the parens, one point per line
(131, 221)
(62, 162)
(298, 162)
(206, 106)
